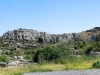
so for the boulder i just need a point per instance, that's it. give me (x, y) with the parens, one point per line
(96, 53)
(20, 58)
(15, 57)
(3, 64)
(14, 63)
(74, 51)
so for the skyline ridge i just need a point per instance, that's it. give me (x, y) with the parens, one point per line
(47, 32)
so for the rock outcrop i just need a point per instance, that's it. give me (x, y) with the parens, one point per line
(92, 38)
(29, 34)
(96, 29)
(96, 53)
(29, 39)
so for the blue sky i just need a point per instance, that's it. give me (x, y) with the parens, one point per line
(52, 16)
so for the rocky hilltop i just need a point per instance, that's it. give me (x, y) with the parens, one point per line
(91, 34)
(34, 35)
(28, 38)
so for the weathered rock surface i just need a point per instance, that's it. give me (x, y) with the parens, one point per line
(29, 39)
(29, 34)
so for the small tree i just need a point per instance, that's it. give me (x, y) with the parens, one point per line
(40, 40)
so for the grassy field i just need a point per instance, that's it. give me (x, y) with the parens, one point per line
(81, 63)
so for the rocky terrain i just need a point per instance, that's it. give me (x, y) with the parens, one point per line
(24, 42)
(28, 38)
(20, 39)
(33, 35)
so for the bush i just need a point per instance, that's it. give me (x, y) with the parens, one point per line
(51, 53)
(40, 40)
(94, 46)
(96, 65)
(3, 59)
(88, 49)
(28, 57)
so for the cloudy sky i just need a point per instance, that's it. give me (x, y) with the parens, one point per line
(52, 16)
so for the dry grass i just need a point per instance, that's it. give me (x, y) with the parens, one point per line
(75, 64)
(84, 35)
(30, 68)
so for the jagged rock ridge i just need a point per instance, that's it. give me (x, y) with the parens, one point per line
(29, 34)
(28, 38)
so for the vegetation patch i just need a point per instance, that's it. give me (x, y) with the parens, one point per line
(3, 58)
(51, 53)
(96, 65)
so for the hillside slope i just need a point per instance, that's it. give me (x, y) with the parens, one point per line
(23, 41)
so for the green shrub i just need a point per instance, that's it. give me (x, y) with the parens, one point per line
(3, 59)
(51, 53)
(40, 40)
(28, 57)
(88, 49)
(27, 51)
(93, 46)
(96, 65)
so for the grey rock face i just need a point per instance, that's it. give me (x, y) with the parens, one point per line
(92, 38)
(29, 34)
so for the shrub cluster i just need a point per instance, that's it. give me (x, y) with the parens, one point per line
(3, 59)
(51, 53)
(96, 65)
(92, 47)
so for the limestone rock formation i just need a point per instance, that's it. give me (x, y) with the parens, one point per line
(29, 34)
